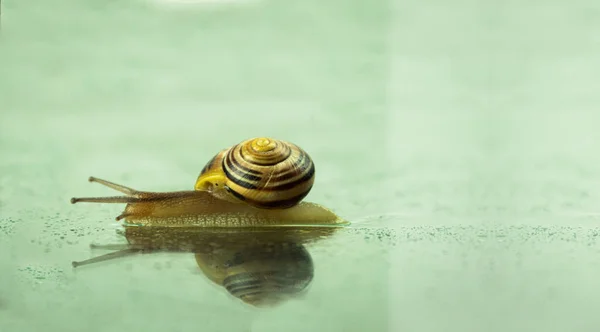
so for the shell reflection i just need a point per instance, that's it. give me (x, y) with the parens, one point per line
(260, 266)
(260, 275)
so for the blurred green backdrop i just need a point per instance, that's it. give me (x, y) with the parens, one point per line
(459, 137)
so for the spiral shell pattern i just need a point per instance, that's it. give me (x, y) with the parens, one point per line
(269, 273)
(266, 173)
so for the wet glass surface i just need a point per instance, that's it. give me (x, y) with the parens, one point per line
(460, 141)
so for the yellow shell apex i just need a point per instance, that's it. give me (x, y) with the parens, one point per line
(263, 144)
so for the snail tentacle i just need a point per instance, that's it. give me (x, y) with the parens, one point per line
(118, 246)
(123, 215)
(118, 187)
(106, 257)
(110, 199)
(132, 195)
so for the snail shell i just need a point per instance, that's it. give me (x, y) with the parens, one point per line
(262, 172)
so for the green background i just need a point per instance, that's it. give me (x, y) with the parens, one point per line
(460, 138)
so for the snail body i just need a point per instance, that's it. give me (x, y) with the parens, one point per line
(258, 182)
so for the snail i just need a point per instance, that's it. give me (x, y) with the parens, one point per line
(257, 182)
(262, 267)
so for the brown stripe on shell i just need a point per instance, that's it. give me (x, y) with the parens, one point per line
(281, 152)
(280, 185)
(296, 169)
(293, 176)
(215, 161)
(289, 185)
(247, 281)
(267, 283)
(231, 157)
(239, 174)
(264, 197)
(300, 166)
(242, 281)
(236, 179)
(209, 164)
(274, 204)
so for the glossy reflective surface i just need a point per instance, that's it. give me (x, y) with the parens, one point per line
(459, 139)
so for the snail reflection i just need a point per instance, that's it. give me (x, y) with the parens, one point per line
(260, 266)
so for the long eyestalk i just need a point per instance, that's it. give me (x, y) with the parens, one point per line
(106, 257)
(132, 195)
(142, 204)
